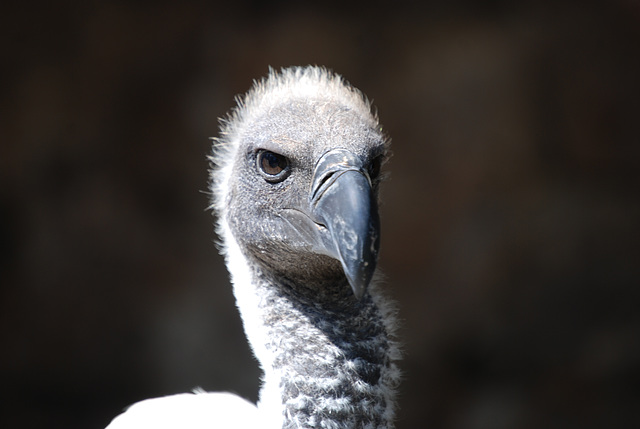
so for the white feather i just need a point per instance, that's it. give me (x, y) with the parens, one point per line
(192, 411)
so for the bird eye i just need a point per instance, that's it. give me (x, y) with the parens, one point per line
(374, 167)
(274, 167)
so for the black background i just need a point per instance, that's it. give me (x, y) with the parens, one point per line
(510, 220)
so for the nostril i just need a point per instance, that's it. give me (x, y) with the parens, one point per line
(321, 184)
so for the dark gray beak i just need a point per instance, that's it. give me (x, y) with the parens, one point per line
(342, 201)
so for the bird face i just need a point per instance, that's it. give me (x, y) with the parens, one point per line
(303, 194)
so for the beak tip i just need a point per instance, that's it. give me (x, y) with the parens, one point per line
(358, 290)
(359, 277)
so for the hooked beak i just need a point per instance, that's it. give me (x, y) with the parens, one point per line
(342, 201)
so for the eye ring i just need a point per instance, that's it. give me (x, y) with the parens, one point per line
(273, 166)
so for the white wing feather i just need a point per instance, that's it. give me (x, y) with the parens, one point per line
(190, 410)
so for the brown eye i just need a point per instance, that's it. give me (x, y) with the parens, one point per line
(274, 167)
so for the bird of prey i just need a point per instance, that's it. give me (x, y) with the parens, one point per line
(295, 177)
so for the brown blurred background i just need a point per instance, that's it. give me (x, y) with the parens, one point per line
(511, 235)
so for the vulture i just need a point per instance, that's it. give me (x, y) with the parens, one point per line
(294, 180)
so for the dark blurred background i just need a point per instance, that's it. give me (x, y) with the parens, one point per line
(510, 221)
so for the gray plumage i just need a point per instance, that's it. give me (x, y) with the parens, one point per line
(295, 186)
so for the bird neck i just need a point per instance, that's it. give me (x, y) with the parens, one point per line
(332, 365)
(328, 360)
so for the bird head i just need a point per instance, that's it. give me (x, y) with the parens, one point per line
(295, 178)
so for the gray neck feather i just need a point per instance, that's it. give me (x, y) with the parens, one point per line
(333, 352)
